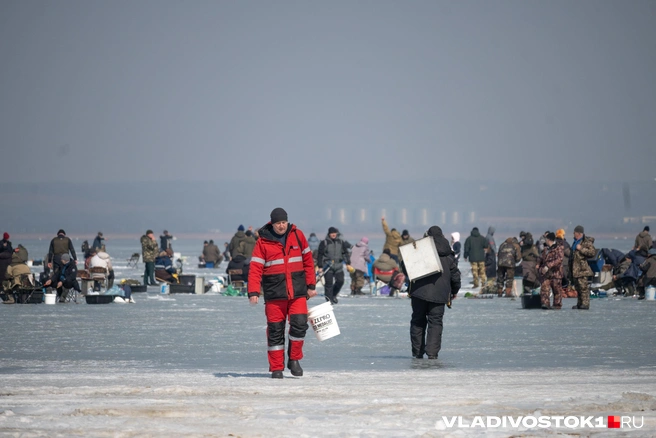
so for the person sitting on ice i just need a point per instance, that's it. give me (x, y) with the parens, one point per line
(211, 254)
(164, 270)
(102, 260)
(385, 267)
(64, 277)
(16, 271)
(238, 262)
(625, 274)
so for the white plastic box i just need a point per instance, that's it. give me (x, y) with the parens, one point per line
(199, 286)
(420, 258)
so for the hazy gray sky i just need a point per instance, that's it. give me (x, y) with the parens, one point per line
(327, 90)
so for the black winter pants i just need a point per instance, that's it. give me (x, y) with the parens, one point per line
(331, 290)
(426, 327)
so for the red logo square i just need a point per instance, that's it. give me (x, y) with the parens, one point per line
(613, 422)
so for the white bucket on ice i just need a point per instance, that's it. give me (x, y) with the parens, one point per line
(322, 319)
(650, 293)
(50, 298)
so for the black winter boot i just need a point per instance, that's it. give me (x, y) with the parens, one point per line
(276, 375)
(295, 368)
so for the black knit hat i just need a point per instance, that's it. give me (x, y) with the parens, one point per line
(61, 232)
(278, 214)
(551, 236)
(579, 229)
(646, 228)
(332, 230)
(405, 233)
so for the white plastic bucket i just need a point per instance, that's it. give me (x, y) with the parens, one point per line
(50, 298)
(164, 289)
(322, 319)
(650, 293)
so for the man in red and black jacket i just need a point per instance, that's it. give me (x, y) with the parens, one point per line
(282, 269)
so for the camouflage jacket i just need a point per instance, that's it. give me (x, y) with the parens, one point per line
(553, 259)
(578, 261)
(149, 249)
(509, 254)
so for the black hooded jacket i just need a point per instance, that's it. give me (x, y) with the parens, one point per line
(438, 288)
(238, 262)
(5, 260)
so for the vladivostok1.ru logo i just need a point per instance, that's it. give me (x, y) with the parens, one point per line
(542, 422)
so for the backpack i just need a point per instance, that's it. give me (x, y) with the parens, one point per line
(398, 280)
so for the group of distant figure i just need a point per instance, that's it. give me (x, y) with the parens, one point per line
(60, 271)
(557, 268)
(551, 264)
(237, 252)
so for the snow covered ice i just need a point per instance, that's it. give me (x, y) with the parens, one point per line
(195, 365)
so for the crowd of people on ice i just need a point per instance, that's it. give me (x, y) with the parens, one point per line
(558, 268)
(280, 265)
(550, 264)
